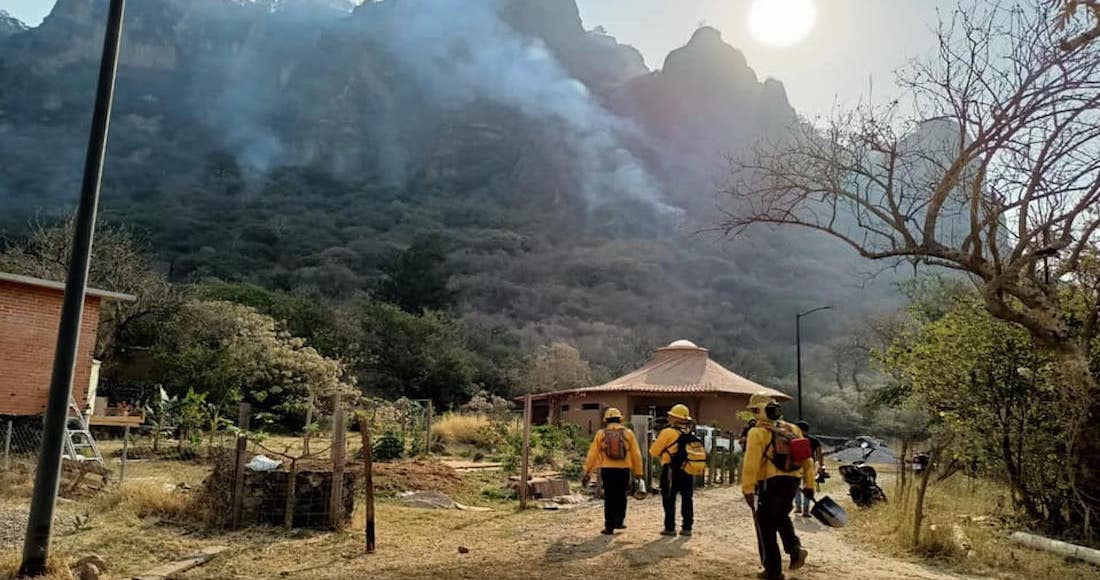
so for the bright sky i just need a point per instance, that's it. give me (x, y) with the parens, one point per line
(853, 44)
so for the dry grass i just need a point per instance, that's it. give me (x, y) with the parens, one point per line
(967, 526)
(17, 481)
(149, 499)
(56, 568)
(464, 429)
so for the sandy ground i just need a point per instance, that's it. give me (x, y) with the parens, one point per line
(559, 545)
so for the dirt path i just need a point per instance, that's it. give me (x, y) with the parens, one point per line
(560, 545)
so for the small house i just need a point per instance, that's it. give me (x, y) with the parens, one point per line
(678, 373)
(30, 312)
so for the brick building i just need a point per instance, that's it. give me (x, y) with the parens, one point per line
(30, 311)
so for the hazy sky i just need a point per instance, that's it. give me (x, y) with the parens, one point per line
(853, 42)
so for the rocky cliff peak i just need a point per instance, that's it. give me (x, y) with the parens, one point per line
(706, 58)
(10, 25)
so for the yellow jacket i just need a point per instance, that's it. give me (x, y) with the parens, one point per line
(597, 459)
(757, 464)
(665, 445)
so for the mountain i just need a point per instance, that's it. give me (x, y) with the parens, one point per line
(9, 25)
(296, 143)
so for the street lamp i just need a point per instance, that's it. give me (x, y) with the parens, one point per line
(798, 347)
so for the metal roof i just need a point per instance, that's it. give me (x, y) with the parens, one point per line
(60, 286)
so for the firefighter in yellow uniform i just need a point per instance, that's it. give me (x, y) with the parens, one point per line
(614, 451)
(673, 480)
(770, 491)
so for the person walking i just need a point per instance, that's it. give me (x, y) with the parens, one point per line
(674, 481)
(801, 501)
(615, 452)
(769, 480)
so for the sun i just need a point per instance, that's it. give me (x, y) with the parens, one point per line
(781, 23)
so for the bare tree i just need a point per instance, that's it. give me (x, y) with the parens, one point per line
(118, 264)
(1069, 17)
(991, 167)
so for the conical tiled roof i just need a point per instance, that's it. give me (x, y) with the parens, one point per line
(680, 367)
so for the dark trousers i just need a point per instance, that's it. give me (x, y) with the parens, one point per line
(773, 516)
(673, 482)
(616, 483)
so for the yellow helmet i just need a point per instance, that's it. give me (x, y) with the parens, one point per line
(612, 413)
(760, 400)
(680, 412)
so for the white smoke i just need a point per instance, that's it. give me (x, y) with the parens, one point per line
(462, 51)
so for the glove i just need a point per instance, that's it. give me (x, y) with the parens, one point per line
(750, 498)
(808, 493)
(585, 480)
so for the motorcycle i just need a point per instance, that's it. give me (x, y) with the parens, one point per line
(861, 479)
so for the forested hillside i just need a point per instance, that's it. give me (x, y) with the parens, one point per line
(298, 144)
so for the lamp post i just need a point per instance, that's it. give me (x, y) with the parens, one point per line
(47, 477)
(798, 347)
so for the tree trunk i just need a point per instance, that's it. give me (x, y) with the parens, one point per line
(899, 489)
(918, 511)
(1084, 441)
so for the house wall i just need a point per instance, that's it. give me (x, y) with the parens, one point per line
(590, 420)
(29, 316)
(713, 410)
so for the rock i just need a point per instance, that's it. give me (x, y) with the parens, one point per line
(463, 550)
(434, 500)
(94, 559)
(87, 571)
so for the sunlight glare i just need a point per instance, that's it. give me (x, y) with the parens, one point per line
(781, 23)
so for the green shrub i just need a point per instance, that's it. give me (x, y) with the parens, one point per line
(389, 448)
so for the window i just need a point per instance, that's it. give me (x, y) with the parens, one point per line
(590, 407)
(564, 408)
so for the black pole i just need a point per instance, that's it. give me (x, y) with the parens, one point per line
(37, 542)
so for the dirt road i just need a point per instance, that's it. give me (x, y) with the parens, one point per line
(560, 545)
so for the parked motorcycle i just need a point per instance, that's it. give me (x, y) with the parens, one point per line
(861, 479)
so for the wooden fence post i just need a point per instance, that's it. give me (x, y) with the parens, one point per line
(428, 430)
(243, 416)
(309, 425)
(339, 462)
(368, 480)
(712, 464)
(291, 494)
(524, 471)
(125, 451)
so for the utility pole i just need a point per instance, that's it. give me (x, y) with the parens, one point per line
(798, 349)
(36, 544)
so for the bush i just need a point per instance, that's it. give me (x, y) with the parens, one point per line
(389, 448)
(476, 430)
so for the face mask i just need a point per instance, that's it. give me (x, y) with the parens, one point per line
(772, 412)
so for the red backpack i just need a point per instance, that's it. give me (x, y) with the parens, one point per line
(614, 443)
(789, 448)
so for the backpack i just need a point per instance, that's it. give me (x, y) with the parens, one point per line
(789, 449)
(691, 454)
(614, 443)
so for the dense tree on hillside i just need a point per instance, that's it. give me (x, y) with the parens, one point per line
(419, 356)
(1003, 186)
(416, 279)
